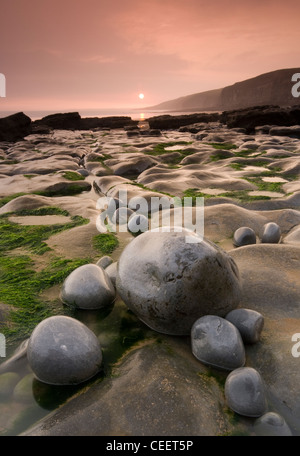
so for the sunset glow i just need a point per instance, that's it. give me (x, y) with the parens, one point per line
(177, 47)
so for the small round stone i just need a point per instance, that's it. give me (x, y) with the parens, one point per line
(271, 234)
(104, 262)
(111, 271)
(272, 424)
(216, 342)
(121, 216)
(63, 351)
(244, 392)
(168, 283)
(244, 236)
(138, 223)
(249, 323)
(88, 287)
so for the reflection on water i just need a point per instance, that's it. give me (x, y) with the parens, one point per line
(24, 400)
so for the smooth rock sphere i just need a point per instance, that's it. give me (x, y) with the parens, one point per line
(244, 236)
(88, 287)
(63, 351)
(272, 424)
(245, 392)
(271, 234)
(170, 283)
(249, 323)
(217, 343)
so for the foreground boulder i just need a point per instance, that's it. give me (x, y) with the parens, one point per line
(14, 127)
(217, 343)
(88, 287)
(63, 351)
(245, 392)
(170, 283)
(150, 393)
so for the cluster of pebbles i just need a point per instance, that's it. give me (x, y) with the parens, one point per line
(168, 286)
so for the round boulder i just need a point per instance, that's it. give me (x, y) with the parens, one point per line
(111, 271)
(104, 262)
(169, 283)
(216, 342)
(88, 287)
(244, 392)
(271, 234)
(249, 323)
(244, 236)
(63, 351)
(272, 424)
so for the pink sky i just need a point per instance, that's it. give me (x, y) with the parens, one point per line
(81, 54)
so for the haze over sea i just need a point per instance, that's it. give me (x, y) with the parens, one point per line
(134, 113)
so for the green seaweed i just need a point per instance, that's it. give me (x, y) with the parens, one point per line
(20, 287)
(72, 176)
(69, 190)
(160, 149)
(237, 166)
(46, 210)
(223, 146)
(265, 186)
(106, 243)
(32, 237)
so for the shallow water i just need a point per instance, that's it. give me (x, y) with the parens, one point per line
(30, 400)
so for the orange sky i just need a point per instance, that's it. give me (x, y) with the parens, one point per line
(79, 54)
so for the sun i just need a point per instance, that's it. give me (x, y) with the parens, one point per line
(141, 96)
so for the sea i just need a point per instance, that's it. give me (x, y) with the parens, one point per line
(135, 114)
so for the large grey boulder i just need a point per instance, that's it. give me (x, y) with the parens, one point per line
(88, 287)
(63, 351)
(170, 283)
(217, 343)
